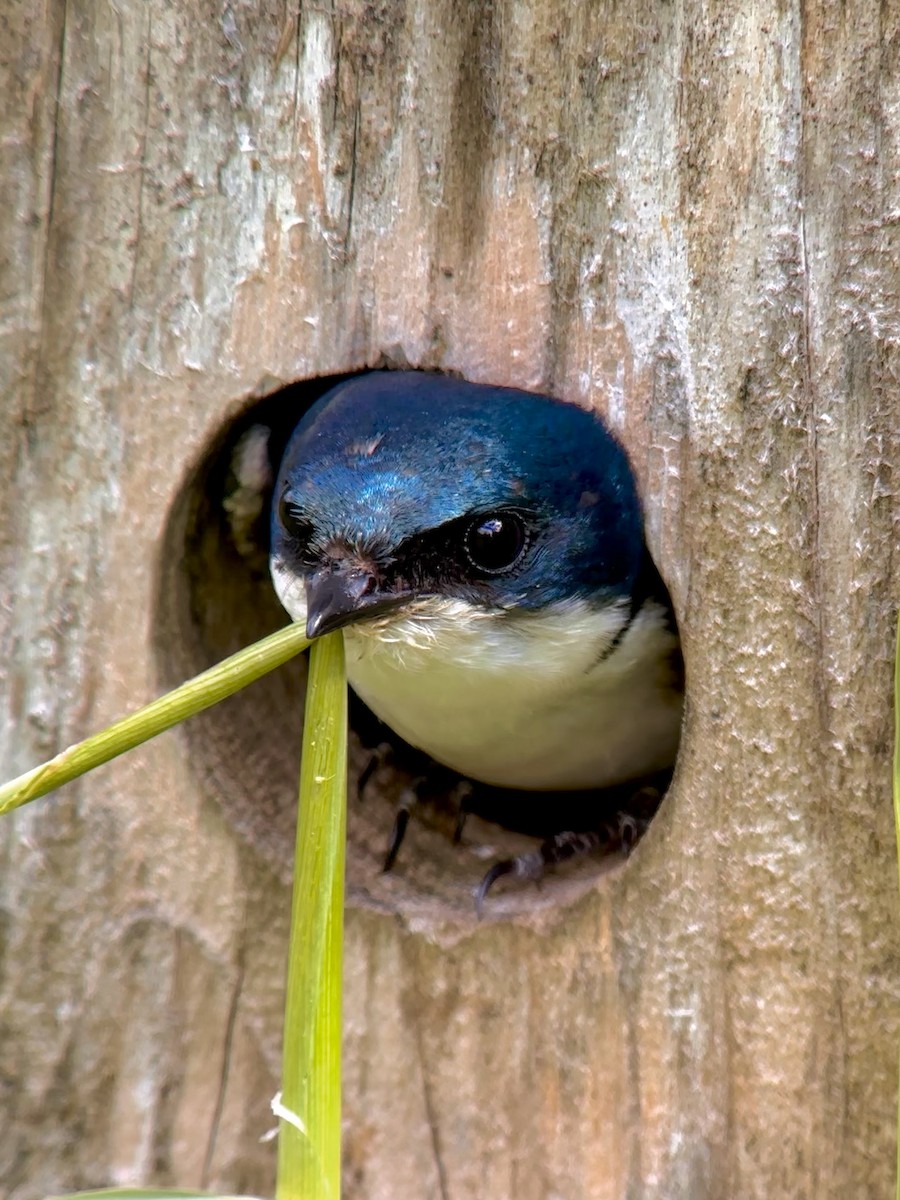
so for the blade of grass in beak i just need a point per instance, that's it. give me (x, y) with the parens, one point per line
(204, 690)
(309, 1142)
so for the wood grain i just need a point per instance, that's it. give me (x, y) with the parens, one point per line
(683, 214)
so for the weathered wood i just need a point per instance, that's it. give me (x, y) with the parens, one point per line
(684, 214)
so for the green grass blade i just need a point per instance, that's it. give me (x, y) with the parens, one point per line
(309, 1143)
(897, 745)
(897, 828)
(228, 676)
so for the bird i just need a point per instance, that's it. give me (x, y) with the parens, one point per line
(482, 548)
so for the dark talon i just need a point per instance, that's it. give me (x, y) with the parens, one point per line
(506, 866)
(462, 793)
(377, 758)
(460, 825)
(563, 846)
(559, 849)
(523, 866)
(401, 821)
(629, 833)
(408, 798)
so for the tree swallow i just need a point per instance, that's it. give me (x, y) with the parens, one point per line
(483, 550)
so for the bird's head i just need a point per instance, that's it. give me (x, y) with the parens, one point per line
(399, 488)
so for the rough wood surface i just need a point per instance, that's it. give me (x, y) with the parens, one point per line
(686, 214)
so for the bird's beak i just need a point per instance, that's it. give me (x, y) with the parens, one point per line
(339, 593)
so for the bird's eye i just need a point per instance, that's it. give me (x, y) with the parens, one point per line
(496, 542)
(292, 520)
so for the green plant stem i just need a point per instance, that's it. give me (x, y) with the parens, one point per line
(309, 1143)
(194, 696)
(897, 744)
(897, 830)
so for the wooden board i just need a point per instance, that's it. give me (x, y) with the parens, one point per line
(685, 215)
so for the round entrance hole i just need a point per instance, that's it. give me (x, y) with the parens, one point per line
(215, 597)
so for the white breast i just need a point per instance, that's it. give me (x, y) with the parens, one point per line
(519, 699)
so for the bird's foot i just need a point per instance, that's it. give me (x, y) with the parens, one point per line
(380, 755)
(622, 833)
(409, 798)
(460, 797)
(418, 790)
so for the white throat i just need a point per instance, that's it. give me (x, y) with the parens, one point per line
(519, 699)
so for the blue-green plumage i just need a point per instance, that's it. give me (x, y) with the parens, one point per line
(483, 550)
(386, 456)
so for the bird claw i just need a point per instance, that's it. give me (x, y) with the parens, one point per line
(416, 791)
(630, 832)
(625, 832)
(461, 795)
(398, 833)
(520, 866)
(524, 866)
(382, 754)
(505, 867)
(409, 797)
(622, 832)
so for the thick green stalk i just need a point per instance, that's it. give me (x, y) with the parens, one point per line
(309, 1143)
(189, 698)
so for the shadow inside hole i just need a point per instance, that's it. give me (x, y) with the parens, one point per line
(214, 598)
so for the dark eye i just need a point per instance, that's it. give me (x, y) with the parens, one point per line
(292, 520)
(495, 542)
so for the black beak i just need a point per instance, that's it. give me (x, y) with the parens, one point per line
(340, 593)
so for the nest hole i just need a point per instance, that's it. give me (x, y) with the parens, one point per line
(214, 598)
